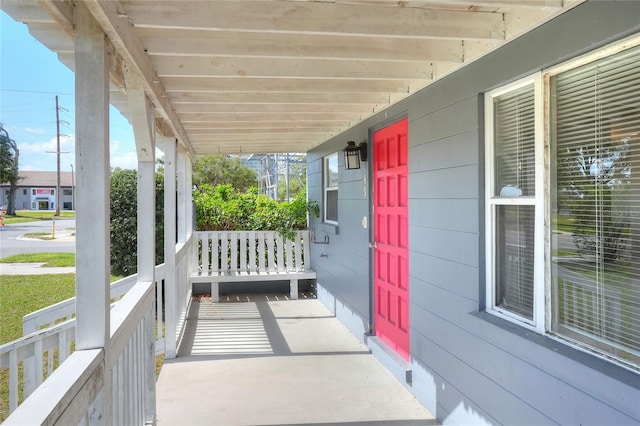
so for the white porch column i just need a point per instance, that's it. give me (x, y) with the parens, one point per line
(189, 195)
(92, 193)
(171, 303)
(143, 122)
(142, 115)
(182, 195)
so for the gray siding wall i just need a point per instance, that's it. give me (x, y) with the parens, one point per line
(470, 367)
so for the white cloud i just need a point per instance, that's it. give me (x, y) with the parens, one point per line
(40, 156)
(35, 131)
(123, 155)
(67, 146)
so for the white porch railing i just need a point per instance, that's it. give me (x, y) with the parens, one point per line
(61, 311)
(57, 392)
(68, 396)
(184, 265)
(42, 350)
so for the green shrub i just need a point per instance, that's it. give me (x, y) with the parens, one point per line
(124, 221)
(221, 208)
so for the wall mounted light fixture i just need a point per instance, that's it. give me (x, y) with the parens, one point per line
(354, 154)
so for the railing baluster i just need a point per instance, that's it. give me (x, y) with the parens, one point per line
(38, 353)
(253, 266)
(270, 252)
(13, 379)
(215, 246)
(204, 241)
(280, 267)
(289, 255)
(299, 266)
(29, 371)
(261, 254)
(233, 245)
(242, 241)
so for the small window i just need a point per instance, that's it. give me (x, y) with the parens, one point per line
(511, 202)
(24, 192)
(33, 192)
(66, 205)
(66, 192)
(331, 189)
(53, 192)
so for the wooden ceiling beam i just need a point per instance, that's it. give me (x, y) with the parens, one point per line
(252, 147)
(264, 125)
(309, 46)
(268, 107)
(206, 85)
(253, 117)
(257, 137)
(121, 34)
(280, 98)
(274, 130)
(201, 66)
(317, 18)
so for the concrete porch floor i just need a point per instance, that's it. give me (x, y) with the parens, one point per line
(285, 362)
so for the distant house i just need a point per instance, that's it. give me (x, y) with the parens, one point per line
(37, 191)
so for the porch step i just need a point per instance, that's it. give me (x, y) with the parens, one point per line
(397, 365)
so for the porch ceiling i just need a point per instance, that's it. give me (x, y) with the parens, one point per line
(278, 75)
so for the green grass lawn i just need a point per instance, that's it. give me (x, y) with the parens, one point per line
(49, 259)
(20, 295)
(33, 215)
(23, 294)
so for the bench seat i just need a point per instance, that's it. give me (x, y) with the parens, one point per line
(251, 256)
(217, 277)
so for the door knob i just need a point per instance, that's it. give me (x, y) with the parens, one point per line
(373, 244)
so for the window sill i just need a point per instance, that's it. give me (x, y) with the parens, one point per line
(329, 228)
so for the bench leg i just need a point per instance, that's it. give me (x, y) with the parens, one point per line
(293, 289)
(215, 292)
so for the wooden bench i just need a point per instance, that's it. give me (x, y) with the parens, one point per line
(246, 256)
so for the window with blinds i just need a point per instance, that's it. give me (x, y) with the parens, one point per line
(331, 189)
(511, 202)
(595, 244)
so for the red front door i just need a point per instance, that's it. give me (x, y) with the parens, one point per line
(391, 261)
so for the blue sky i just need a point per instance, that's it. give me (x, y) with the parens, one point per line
(30, 78)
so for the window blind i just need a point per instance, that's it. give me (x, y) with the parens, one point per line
(514, 177)
(595, 132)
(514, 143)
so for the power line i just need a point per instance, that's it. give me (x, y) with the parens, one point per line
(36, 91)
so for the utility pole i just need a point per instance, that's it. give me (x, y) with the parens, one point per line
(58, 155)
(57, 152)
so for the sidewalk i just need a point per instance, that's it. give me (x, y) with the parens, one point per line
(278, 363)
(33, 269)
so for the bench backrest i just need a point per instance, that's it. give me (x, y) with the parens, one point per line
(251, 251)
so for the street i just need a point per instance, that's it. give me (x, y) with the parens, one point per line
(11, 242)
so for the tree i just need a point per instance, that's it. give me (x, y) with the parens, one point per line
(591, 177)
(297, 181)
(222, 208)
(9, 155)
(124, 221)
(221, 170)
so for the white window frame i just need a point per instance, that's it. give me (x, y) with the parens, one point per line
(543, 309)
(327, 186)
(493, 200)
